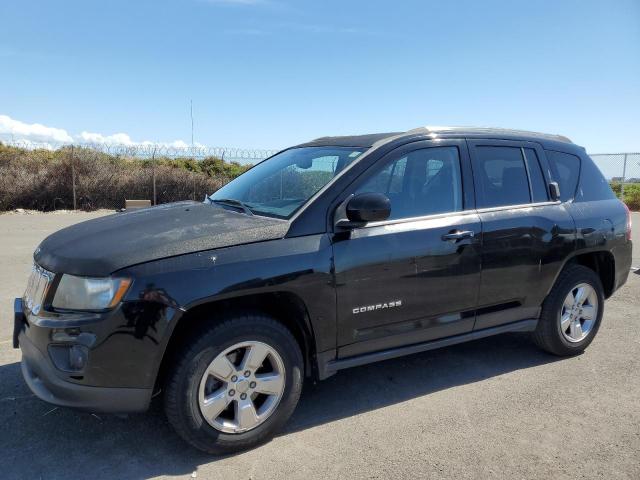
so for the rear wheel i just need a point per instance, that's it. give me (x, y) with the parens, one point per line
(572, 312)
(235, 385)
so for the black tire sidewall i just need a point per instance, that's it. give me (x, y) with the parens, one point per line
(211, 344)
(583, 275)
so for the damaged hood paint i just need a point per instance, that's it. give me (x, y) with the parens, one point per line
(104, 245)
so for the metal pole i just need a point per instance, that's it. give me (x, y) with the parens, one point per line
(192, 150)
(153, 171)
(624, 177)
(191, 113)
(73, 178)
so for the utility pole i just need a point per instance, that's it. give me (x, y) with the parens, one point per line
(192, 148)
(191, 110)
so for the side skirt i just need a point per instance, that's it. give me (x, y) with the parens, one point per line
(329, 366)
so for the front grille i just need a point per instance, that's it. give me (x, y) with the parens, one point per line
(39, 282)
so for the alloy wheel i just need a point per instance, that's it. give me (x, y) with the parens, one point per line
(242, 387)
(579, 312)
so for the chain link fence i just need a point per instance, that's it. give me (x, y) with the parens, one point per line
(89, 177)
(622, 170)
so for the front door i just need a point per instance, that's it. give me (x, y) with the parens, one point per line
(413, 277)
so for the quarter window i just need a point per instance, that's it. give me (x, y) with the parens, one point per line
(422, 182)
(501, 177)
(593, 185)
(568, 168)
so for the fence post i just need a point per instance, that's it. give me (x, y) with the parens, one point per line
(153, 170)
(624, 177)
(193, 160)
(73, 178)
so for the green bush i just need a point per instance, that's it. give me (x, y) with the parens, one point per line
(631, 194)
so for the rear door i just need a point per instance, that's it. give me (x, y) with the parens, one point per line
(403, 281)
(524, 234)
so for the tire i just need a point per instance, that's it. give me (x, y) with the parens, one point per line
(187, 386)
(549, 334)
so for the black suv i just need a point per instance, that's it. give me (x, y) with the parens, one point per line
(331, 254)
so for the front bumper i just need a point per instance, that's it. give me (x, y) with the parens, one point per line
(52, 385)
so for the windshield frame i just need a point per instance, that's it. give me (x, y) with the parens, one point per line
(363, 151)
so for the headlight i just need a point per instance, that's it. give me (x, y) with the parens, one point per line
(80, 293)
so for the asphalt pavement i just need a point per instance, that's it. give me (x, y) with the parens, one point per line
(493, 408)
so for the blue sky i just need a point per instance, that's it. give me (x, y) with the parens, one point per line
(270, 73)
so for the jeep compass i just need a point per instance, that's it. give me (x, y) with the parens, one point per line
(338, 252)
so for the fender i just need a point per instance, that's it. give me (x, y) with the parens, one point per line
(297, 268)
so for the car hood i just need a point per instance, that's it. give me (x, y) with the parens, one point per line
(103, 245)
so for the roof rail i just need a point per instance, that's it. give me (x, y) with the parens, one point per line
(435, 129)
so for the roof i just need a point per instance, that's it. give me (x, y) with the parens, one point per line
(350, 140)
(435, 131)
(489, 131)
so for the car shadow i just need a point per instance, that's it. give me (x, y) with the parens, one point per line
(38, 440)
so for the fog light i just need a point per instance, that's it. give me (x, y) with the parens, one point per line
(69, 358)
(77, 357)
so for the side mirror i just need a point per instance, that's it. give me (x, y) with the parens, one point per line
(554, 191)
(368, 207)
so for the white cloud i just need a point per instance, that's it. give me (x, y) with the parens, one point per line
(37, 135)
(34, 132)
(115, 139)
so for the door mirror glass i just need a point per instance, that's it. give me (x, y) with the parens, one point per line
(554, 191)
(368, 207)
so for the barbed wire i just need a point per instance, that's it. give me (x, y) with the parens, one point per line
(149, 150)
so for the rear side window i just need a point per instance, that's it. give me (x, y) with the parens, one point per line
(538, 184)
(568, 171)
(501, 177)
(593, 185)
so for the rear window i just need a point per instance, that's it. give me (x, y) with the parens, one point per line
(567, 167)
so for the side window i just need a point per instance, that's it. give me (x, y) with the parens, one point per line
(568, 168)
(501, 176)
(423, 182)
(538, 183)
(593, 185)
(396, 176)
(389, 179)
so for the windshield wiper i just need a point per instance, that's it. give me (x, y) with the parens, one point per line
(233, 203)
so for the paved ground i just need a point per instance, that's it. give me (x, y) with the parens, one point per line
(494, 408)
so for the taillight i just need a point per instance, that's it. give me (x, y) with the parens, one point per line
(628, 221)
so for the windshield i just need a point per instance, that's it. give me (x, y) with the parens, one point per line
(280, 185)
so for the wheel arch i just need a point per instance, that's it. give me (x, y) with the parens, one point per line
(602, 262)
(286, 307)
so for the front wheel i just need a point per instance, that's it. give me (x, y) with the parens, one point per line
(235, 385)
(572, 312)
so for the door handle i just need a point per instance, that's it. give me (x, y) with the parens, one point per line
(458, 235)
